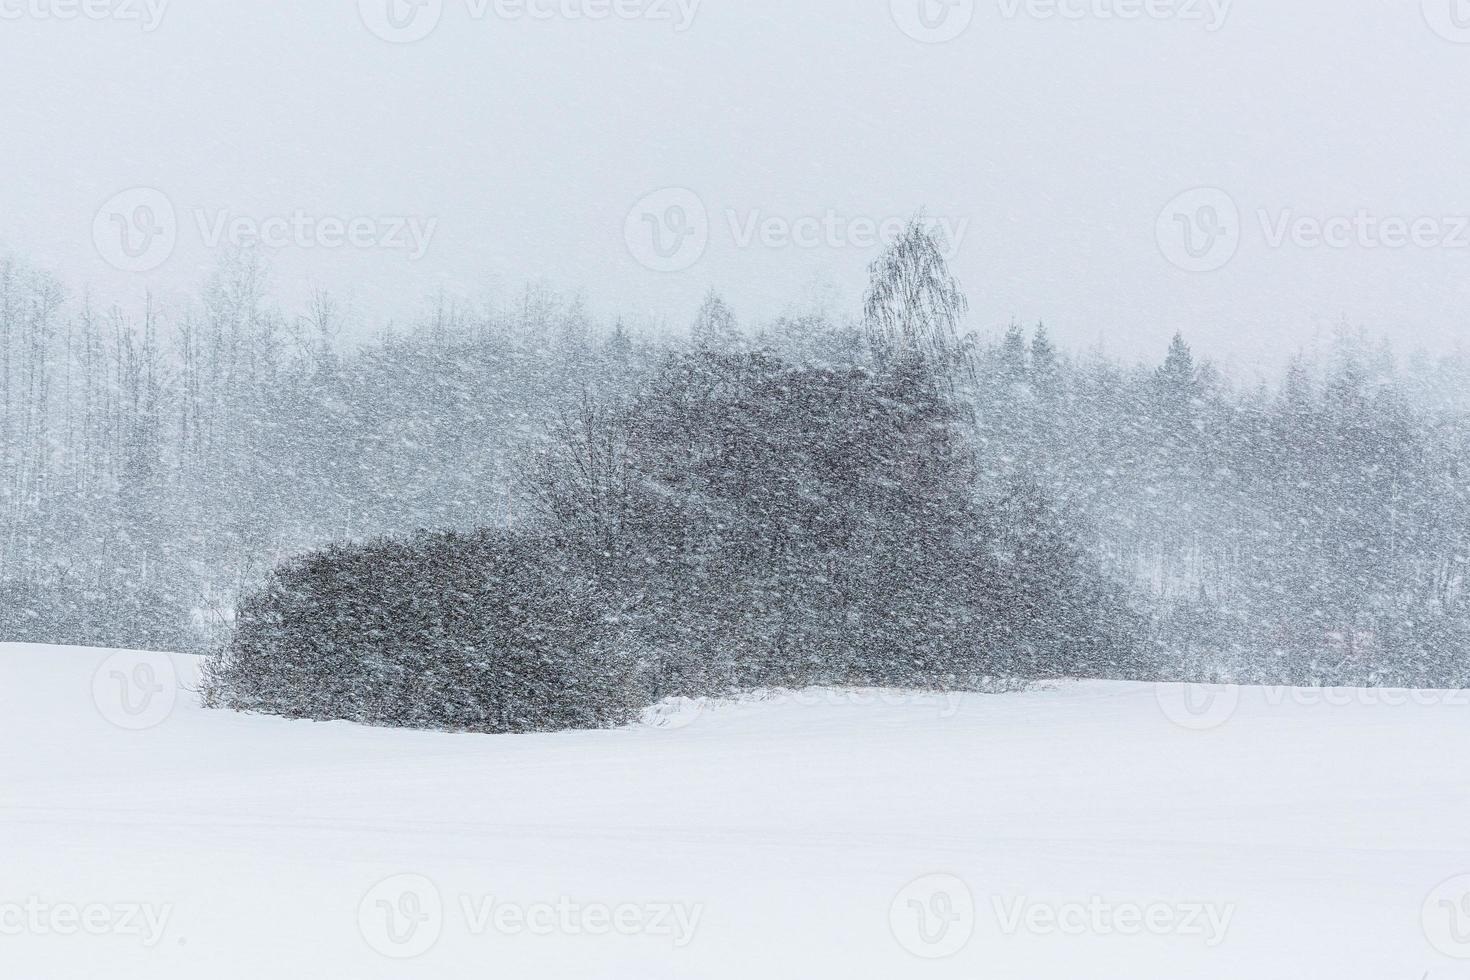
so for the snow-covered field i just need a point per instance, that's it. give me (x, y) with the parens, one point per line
(1089, 830)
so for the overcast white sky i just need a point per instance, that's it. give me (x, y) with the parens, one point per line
(1058, 135)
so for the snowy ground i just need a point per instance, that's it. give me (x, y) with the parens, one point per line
(1093, 830)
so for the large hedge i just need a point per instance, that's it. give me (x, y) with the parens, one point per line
(477, 633)
(783, 525)
(742, 523)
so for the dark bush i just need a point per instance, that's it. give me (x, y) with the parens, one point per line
(790, 526)
(742, 523)
(476, 633)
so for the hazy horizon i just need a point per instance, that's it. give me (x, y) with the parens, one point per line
(1118, 170)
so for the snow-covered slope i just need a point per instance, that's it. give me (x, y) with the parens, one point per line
(1098, 830)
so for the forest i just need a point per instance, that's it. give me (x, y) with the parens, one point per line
(877, 495)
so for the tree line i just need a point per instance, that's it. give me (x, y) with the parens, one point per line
(1305, 527)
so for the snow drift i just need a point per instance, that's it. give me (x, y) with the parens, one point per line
(1098, 829)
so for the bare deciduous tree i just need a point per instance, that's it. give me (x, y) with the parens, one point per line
(914, 305)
